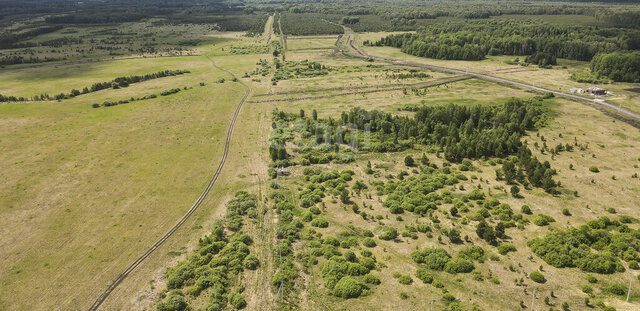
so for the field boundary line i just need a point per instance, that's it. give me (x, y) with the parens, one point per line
(191, 210)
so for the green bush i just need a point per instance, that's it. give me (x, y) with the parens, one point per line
(459, 265)
(405, 279)
(251, 262)
(542, 220)
(237, 301)
(320, 223)
(371, 279)
(369, 242)
(525, 209)
(505, 248)
(537, 277)
(434, 258)
(348, 288)
(389, 234)
(424, 275)
(617, 289)
(448, 298)
(594, 169)
(173, 303)
(591, 279)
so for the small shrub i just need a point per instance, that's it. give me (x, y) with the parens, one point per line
(587, 289)
(238, 302)
(617, 289)
(251, 262)
(371, 279)
(594, 169)
(369, 242)
(173, 303)
(537, 277)
(459, 265)
(505, 248)
(320, 223)
(525, 209)
(542, 220)
(424, 275)
(405, 279)
(348, 288)
(389, 234)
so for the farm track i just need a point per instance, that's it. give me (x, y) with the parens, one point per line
(621, 114)
(191, 210)
(407, 86)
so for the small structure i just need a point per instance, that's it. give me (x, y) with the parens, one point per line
(596, 91)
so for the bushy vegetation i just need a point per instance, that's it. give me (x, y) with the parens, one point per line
(594, 247)
(220, 256)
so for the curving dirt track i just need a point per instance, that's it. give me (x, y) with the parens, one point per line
(191, 210)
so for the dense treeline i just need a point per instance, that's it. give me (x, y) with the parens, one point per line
(594, 247)
(9, 98)
(18, 59)
(307, 24)
(617, 66)
(543, 41)
(220, 257)
(10, 40)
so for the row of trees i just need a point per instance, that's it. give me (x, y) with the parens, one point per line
(119, 82)
(474, 40)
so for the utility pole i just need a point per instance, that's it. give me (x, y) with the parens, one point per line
(60, 308)
(432, 300)
(629, 292)
(139, 301)
(533, 299)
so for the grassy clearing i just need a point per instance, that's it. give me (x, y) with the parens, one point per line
(310, 43)
(101, 185)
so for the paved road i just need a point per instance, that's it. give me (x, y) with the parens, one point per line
(191, 210)
(627, 116)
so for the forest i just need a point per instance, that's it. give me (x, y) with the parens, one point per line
(618, 66)
(474, 40)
